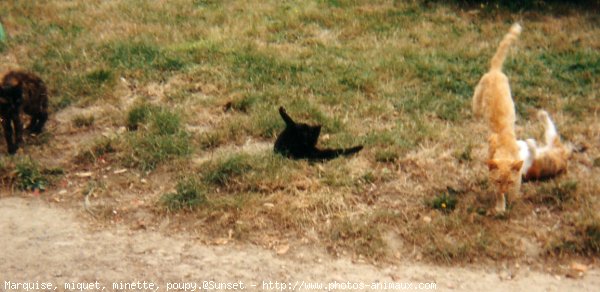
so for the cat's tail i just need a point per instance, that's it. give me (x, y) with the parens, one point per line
(326, 154)
(352, 150)
(509, 38)
(286, 118)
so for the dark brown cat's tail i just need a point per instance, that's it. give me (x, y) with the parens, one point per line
(509, 38)
(327, 154)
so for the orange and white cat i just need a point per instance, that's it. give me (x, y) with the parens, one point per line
(492, 99)
(547, 161)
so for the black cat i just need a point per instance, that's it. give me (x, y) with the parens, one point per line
(22, 92)
(299, 140)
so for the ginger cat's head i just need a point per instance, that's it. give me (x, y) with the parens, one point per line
(505, 175)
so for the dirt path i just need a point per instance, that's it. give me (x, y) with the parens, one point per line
(40, 243)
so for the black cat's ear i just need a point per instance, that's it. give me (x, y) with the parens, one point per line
(285, 117)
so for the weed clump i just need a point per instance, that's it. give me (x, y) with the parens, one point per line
(189, 194)
(583, 239)
(242, 105)
(161, 139)
(158, 120)
(263, 173)
(99, 149)
(558, 193)
(138, 115)
(83, 121)
(29, 177)
(592, 238)
(445, 202)
(211, 140)
(387, 155)
(466, 155)
(227, 170)
(564, 191)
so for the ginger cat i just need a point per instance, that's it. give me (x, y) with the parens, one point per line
(492, 99)
(546, 161)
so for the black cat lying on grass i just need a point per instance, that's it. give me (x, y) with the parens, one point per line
(22, 92)
(299, 140)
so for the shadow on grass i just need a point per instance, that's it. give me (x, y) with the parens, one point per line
(553, 7)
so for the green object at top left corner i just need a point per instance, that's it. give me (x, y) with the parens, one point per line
(2, 34)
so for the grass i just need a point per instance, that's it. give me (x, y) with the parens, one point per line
(359, 236)
(580, 236)
(82, 121)
(29, 176)
(248, 173)
(162, 138)
(445, 202)
(99, 149)
(195, 84)
(225, 172)
(189, 194)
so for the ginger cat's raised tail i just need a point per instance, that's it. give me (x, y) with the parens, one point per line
(502, 51)
(496, 67)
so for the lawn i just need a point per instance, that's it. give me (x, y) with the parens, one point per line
(164, 113)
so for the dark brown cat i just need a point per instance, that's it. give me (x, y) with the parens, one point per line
(22, 92)
(299, 141)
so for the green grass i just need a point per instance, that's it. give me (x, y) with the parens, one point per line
(445, 202)
(580, 236)
(189, 194)
(82, 121)
(161, 139)
(149, 150)
(592, 238)
(135, 59)
(226, 171)
(242, 172)
(387, 155)
(138, 115)
(98, 149)
(29, 176)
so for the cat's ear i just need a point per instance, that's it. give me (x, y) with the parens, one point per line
(288, 121)
(492, 164)
(516, 166)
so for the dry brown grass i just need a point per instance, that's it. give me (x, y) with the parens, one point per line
(397, 77)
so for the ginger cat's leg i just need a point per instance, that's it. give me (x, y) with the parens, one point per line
(492, 145)
(532, 147)
(550, 133)
(500, 203)
(478, 100)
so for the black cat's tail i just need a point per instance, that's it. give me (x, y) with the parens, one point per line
(285, 117)
(327, 154)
